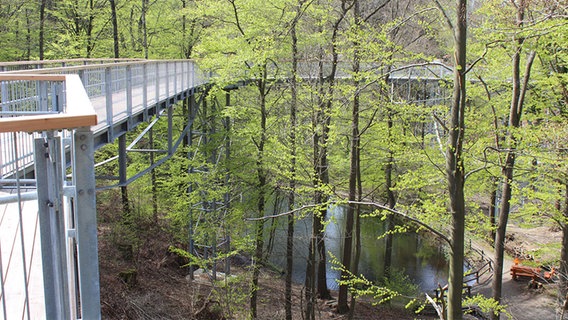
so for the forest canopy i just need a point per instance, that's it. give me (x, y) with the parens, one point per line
(342, 102)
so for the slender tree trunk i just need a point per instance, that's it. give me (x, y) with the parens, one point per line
(492, 211)
(517, 102)
(261, 175)
(144, 28)
(342, 301)
(563, 281)
(292, 182)
(357, 254)
(114, 28)
(42, 8)
(455, 166)
(389, 222)
(28, 35)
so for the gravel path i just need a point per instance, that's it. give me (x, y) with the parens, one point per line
(522, 303)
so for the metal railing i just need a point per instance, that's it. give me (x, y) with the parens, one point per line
(40, 283)
(48, 125)
(119, 92)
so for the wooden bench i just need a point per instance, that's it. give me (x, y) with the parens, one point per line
(524, 271)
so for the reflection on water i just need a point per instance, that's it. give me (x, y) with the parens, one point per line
(423, 262)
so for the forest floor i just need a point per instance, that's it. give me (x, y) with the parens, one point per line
(150, 283)
(147, 281)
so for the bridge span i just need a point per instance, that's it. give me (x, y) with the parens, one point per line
(53, 116)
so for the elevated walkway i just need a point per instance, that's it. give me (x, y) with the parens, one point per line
(52, 119)
(53, 116)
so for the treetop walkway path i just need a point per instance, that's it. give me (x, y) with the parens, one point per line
(53, 116)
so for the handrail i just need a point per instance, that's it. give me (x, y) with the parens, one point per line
(80, 114)
(36, 64)
(75, 68)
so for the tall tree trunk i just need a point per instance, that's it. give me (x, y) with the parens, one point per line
(144, 28)
(42, 8)
(563, 281)
(346, 261)
(28, 35)
(455, 165)
(292, 182)
(517, 102)
(357, 253)
(389, 222)
(323, 291)
(114, 20)
(89, 31)
(492, 211)
(261, 175)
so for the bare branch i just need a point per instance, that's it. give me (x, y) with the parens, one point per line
(372, 204)
(448, 20)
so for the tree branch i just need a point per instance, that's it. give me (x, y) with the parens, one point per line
(448, 20)
(372, 204)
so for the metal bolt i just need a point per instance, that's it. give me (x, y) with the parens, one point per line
(84, 147)
(49, 203)
(81, 192)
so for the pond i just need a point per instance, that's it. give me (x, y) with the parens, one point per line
(422, 260)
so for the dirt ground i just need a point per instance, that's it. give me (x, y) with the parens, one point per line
(150, 283)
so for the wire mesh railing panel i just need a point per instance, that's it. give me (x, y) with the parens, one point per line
(25, 97)
(93, 81)
(151, 80)
(11, 162)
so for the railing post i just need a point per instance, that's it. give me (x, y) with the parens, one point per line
(175, 78)
(191, 75)
(108, 95)
(157, 82)
(4, 105)
(86, 223)
(129, 96)
(52, 227)
(57, 98)
(182, 76)
(167, 64)
(145, 91)
(42, 95)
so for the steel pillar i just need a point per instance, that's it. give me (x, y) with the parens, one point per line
(52, 227)
(86, 223)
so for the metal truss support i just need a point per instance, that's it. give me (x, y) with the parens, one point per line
(211, 144)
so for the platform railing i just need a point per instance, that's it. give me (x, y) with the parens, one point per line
(122, 93)
(60, 280)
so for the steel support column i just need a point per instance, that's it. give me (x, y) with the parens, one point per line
(52, 227)
(86, 223)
